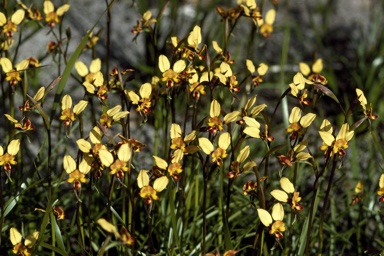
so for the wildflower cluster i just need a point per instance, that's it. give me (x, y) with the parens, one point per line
(146, 159)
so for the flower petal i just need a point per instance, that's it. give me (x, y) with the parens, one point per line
(287, 185)
(264, 217)
(224, 140)
(164, 64)
(69, 164)
(15, 236)
(278, 211)
(280, 195)
(160, 183)
(143, 178)
(13, 147)
(206, 145)
(161, 163)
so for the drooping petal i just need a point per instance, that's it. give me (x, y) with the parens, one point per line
(133, 97)
(15, 236)
(83, 145)
(254, 132)
(124, 153)
(13, 147)
(304, 68)
(224, 140)
(81, 68)
(79, 107)
(251, 68)
(31, 239)
(95, 135)
(3, 19)
(232, 116)
(95, 66)
(69, 164)
(327, 138)
(265, 217)
(287, 185)
(161, 163)
(106, 157)
(160, 183)
(194, 38)
(215, 108)
(278, 212)
(66, 102)
(326, 126)
(6, 64)
(307, 119)
(84, 166)
(270, 16)
(360, 94)
(280, 195)
(216, 47)
(179, 66)
(18, 16)
(146, 90)
(110, 228)
(48, 7)
(62, 9)
(244, 153)
(164, 64)
(206, 145)
(295, 115)
(175, 131)
(143, 178)
(317, 67)
(262, 69)
(225, 69)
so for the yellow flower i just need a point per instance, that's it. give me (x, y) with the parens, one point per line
(119, 166)
(276, 219)
(364, 103)
(150, 192)
(174, 75)
(282, 195)
(76, 175)
(93, 75)
(251, 10)
(24, 125)
(214, 122)
(8, 158)
(236, 166)
(219, 153)
(67, 115)
(52, 17)
(16, 239)
(143, 101)
(97, 154)
(123, 235)
(299, 123)
(313, 74)
(174, 169)
(298, 85)
(335, 145)
(13, 74)
(295, 155)
(144, 22)
(33, 14)
(112, 115)
(261, 71)
(9, 26)
(180, 144)
(266, 26)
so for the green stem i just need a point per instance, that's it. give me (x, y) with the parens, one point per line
(321, 235)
